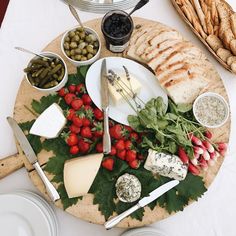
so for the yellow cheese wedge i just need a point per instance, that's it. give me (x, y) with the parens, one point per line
(128, 87)
(79, 174)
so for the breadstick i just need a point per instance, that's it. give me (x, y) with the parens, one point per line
(210, 29)
(200, 15)
(214, 14)
(187, 13)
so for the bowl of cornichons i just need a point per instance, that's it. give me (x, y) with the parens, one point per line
(81, 46)
(47, 72)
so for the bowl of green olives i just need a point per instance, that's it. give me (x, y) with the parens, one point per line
(81, 46)
(47, 73)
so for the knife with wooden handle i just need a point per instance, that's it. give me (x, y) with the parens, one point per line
(105, 108)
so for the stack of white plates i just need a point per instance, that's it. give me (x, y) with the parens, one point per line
(24, 213)
(102, 6)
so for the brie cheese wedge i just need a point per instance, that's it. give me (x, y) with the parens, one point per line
(50, 123)
(166, 165)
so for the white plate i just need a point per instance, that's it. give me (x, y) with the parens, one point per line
(46, 208)
(145, 231)
(150, 86)
(21, 217)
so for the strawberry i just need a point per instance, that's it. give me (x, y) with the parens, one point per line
(113, 151)
(86, 122)
(74, 150)
(108, 164)
(69, 97)
(116, 131)
(128, 144)
(71, 139)
(120, 144)
(98, 114)
(133, 136)
(208, 134)
(86, 99)
(62, 92)
(128, 128)
(80, 88)
(88, 108)
(140, 157)
(193, 169)
(77, 121)
(70, 113)
(77, 104)
(183, 156)
(83, 146)
(111, 123)
(99, 147)
(74, 129)
(121, 154)
(131, 155)
(134, 164)
(72, 88)
(98, 129)
(86, 132)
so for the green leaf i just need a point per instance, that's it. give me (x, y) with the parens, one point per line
(172, 147)
(66, 201)
(134, 122)
(183, 108)
(44, 103)
(34, 140)
(160, 106)
(55, 165)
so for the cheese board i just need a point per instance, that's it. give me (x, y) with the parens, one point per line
(85, 208)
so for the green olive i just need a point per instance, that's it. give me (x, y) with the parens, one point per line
(95, 51)
(67, 53)
(67, 39)
(78, 57)
(90, 48)
(88, 39)
(96, 44)
(72, 57)
(82, 45)
(92, 37)
(78, 51)
(67, 46)
(72, 52)
(73, 45)
(84, 51)
(80, 29)
(82, 35)
(89, 56)
(71, 34)
(76, 38)
(83, 58)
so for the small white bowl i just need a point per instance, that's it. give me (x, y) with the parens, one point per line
(211, 94)
(63, 81)
(82, 63)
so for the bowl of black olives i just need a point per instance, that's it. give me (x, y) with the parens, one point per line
(81, 46)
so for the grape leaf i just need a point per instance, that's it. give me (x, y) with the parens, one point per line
(44, 103)
(33, 139)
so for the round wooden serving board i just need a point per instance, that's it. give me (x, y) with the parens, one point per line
(85, 209)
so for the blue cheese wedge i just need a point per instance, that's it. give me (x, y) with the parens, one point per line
(128, 188)
(166, 165)
(50, 123)
(123, 85)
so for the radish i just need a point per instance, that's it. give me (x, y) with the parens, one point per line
(211, 162)
(222, 146)
(206, 155)
(208, 134)
(195, 140)
(213, 155)
(196, 156)
(203, 164)
(208, 146)
(183, 156)
(194, 161)
(198, 150)
(193, 169)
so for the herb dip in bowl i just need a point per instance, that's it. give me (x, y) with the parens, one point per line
(211, 110)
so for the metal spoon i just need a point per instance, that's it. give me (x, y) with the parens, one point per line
(75, 14)
(139, 5)
(28, 51)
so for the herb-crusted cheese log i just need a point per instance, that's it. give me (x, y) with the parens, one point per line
(166, 165)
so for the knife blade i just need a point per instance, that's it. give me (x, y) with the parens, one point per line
(31, 156)
(143, 202)
(105, 108)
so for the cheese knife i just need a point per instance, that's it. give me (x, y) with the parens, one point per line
(31, 156)
(142, 203)
(105, 108)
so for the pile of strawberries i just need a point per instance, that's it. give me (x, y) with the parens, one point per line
(85, 130)
(206, 153)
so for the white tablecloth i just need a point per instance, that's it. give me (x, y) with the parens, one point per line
(35, 23)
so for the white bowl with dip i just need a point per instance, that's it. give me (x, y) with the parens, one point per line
(211, 110)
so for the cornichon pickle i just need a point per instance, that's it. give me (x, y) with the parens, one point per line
(45, 73)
